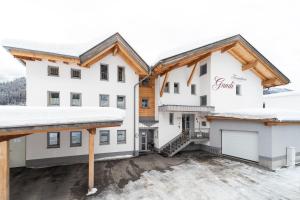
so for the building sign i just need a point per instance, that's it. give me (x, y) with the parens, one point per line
(222, 83)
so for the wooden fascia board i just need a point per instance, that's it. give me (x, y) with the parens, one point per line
(49, 128)
(192, 74)
(229, 47)
(97, 57)
(282, 123)
(210, 118)
(250, 65)
(40, 56)
(164, 84)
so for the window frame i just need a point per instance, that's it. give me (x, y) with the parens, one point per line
(193, 92)
(171, 118)
(201, 103)
(124, 101)
(167, 89)
(71, 95)
(100, 100)
(53, 67)
(204, 123)
(48, 98)
(77, 144)
(123, 74)
(121, 142)
(238, 90)
(73, 70)
(178, 86)
(106, 65)
(147, 99)
(102, 132)
(201, 71)
(49, 146)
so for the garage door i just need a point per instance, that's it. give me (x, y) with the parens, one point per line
(241, 144)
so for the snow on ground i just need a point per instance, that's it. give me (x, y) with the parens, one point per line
(261, 113)
(18, 116)
(216, 179)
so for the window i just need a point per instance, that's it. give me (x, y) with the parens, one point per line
(264, 105)
(121, 74)
(176, 88)
(171, 118)
(104, 72)
(76, 73)
(167, 87)
(238, 89)
(145, 103)
(53, 71)
(104, 137)
(104, 100)
(203, 123)
(193, 89)
(75, 99)
(121, 102)
(121, 136)
(53, 140)
(53, 99)
(203, 100)
(203, 69)
(75, 139)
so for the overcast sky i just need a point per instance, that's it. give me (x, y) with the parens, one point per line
(153, 28)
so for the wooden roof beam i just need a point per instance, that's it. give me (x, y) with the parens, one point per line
(115, 51)
(202, 57)
(250, 65)
(229, 47)
(269, 82)
(192, 74)
(164, 84)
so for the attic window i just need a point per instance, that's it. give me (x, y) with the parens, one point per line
(53, 71)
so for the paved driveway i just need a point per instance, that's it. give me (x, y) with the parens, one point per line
(186, 176)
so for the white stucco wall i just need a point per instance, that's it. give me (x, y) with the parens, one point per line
(285, 100)
(90, 86)
(223, 65)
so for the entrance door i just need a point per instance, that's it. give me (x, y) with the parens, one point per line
(146, 140)
(187, 121)
(17, 152)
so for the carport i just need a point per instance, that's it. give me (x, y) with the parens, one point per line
(18, 121)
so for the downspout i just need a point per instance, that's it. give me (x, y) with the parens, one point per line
(134, 111)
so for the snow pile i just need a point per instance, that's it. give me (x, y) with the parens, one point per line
(260, 113)
(218, 179)
(18, 116)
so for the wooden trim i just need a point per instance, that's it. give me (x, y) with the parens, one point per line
(229, 47)
(97, 57)
(4, 170)
(192, 74)
(6, 138)
(164, 84)
(41, 56)
(115, 51)
(210, 118)
(91, 177)
(281, 123)
(269, 82)
(57, 127)
(250, 65)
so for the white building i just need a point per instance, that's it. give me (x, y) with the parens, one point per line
(173, 101)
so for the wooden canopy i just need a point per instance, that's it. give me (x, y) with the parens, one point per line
(115, 44)
(7, 133)
(239, 48)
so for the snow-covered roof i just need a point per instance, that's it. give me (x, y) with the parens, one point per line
(261, 114)
(25, 116)
(282, 94)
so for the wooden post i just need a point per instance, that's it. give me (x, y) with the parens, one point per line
(4, 170)
(91, 190)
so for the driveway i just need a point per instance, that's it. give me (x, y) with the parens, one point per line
(193, 175)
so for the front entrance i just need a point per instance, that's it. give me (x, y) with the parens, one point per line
(17, 152)
(146, 139)
(187, 122)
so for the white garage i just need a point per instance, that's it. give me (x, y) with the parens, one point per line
(240, 144)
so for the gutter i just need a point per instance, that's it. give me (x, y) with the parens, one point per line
(134, 111)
